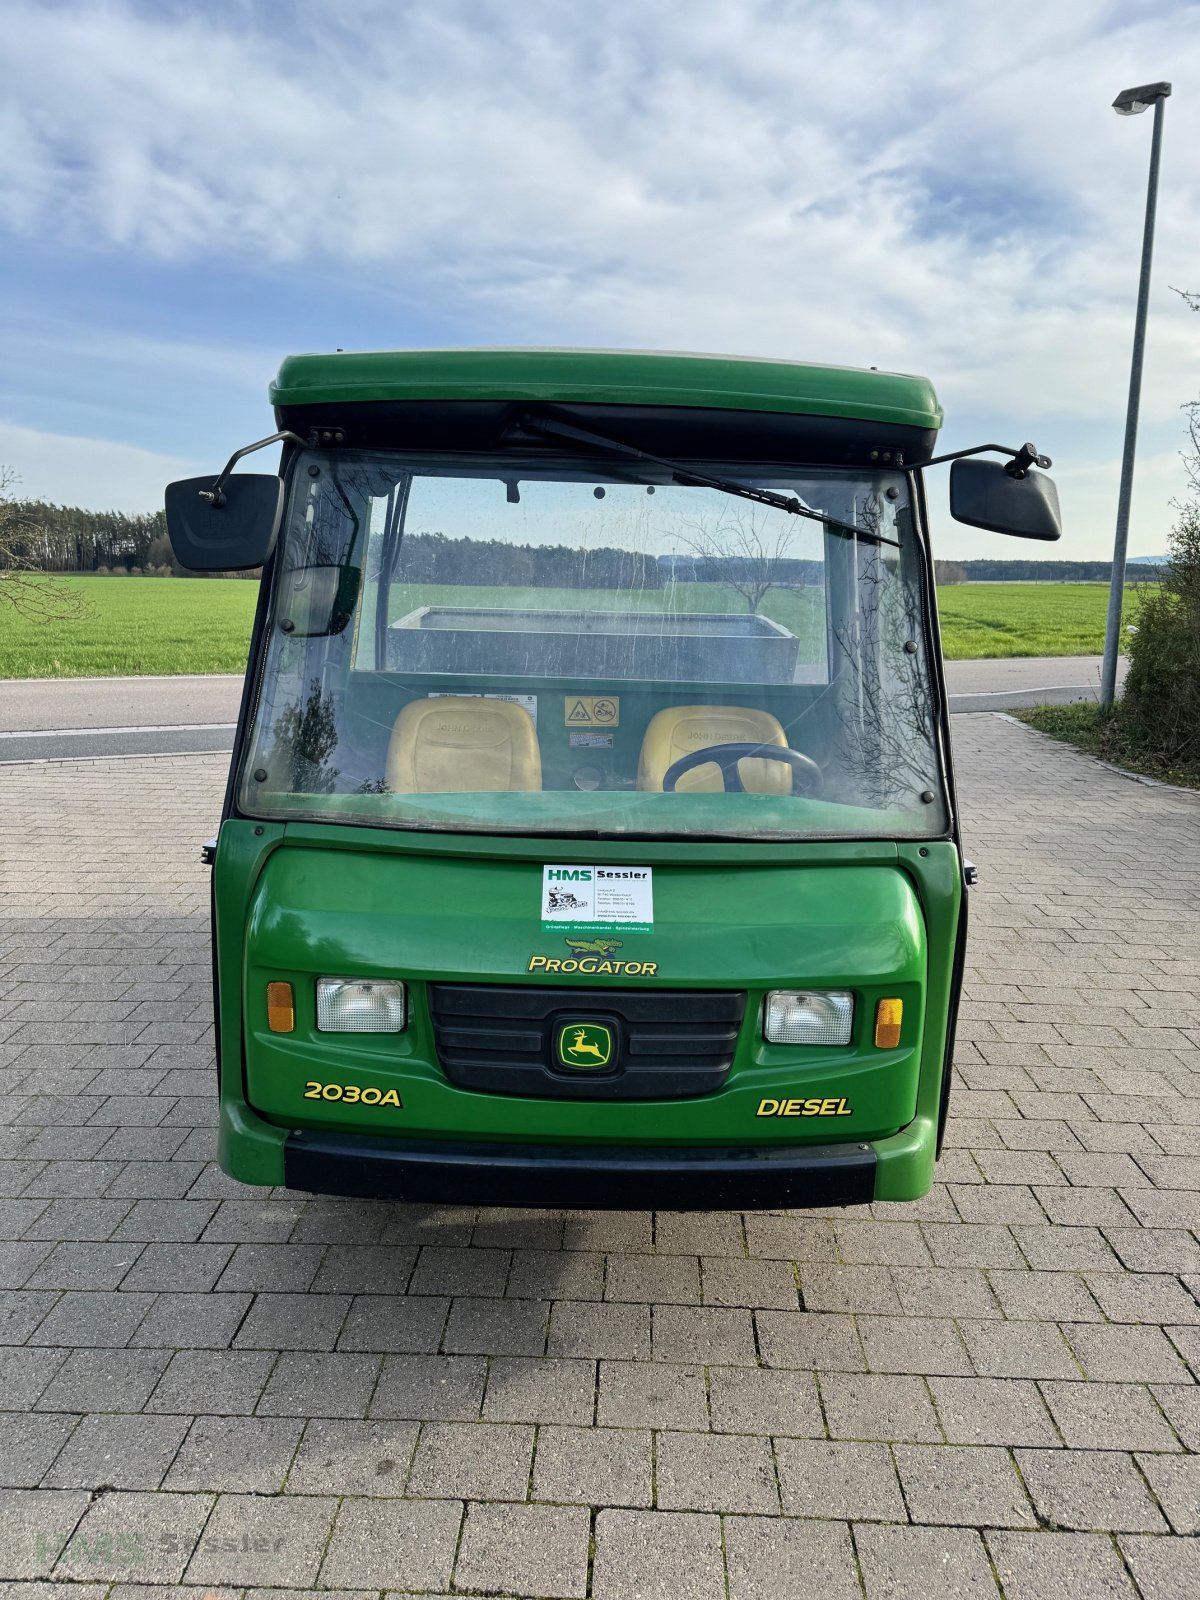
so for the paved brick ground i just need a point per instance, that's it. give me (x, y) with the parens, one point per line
(239, 1391)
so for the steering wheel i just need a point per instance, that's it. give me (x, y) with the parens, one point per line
(807, 777)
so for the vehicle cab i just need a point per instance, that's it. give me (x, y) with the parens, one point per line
(590, 836)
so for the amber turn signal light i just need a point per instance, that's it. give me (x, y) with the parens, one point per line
(281, 1008)
(889, 1014)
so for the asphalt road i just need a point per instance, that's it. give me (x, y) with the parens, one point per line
(52, 719)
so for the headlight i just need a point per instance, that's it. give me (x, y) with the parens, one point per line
(797, 1016)
(360, 1005)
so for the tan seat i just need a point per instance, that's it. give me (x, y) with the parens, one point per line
(679, 730)
(457, 744)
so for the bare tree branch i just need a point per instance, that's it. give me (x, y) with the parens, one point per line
(738, 550)
(23, 588)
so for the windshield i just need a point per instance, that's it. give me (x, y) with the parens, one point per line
(567, 645)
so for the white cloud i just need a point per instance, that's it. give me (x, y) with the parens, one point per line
(942, 190)
(96, 473)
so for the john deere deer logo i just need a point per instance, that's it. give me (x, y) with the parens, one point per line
(593, 947)
(584, 1044)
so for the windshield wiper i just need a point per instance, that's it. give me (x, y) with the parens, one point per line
(536, 422)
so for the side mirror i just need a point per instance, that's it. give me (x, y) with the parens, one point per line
(233, 537)
(984, 494)
(319, 601)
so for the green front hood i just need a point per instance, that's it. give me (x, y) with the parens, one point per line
(476, 919)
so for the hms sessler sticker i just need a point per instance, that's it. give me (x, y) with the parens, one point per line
(582, 899)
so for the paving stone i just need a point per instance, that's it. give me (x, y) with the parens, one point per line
(864, 1241)
(212, 1382)
(708, 1334)
(875, 1406)
(1019, 1350)
(608, 1230)
(270, 1539)
(192, 1321)
(390, 1544)
(1182, 1408)
(993, 1411)
(119, 1452)
(139, 1538)
(767, 1558)
(729, 1281)
(178, 1268)
(104, 1380)
(1176, 1483)
(944, 1292)
(292, 1322)
(654, 1394)
(1089, 1490)
(25, 1373)
(430, 1388)
(472, 1461)
(592, 1329)
(800, 1239)
(467, 1272)
(963, 1486)
(267, 1267)
(530, 1550)
(1140, 1297)
(831, 1478)
(83, 1318)
(662, 1280)
(386, 1323)
(365, 1269)
(28, 1445)
(715, 1472)
(70, 1219)
(593, 1466)
(240, 1221)
(1165, 1569)
(848, 1288)
(524, 1389)
(1127, 1354)
(699, 1233)
(557, 1275)
(235, 1455)
(1108, 1416)
(505, 1327)
(1047, 1566)
(924, 1564)
(346, 1457)
(765, 1400)
(1058, 1296)
(809, 1339)
(317, 1384)
(643, 1554)
(166, 1220)
(915, 1345)
(35, 1526)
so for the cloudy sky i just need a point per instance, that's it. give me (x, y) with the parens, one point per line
(190, 190)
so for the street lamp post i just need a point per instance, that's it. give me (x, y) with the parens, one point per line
(1130, 103)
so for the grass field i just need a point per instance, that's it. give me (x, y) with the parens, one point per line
(177, 625)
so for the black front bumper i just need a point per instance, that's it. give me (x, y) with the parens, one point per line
(590, 1177)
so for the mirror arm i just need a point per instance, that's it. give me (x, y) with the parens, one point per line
(1024, 458)
(216, 495)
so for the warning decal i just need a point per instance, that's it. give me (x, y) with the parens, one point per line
(592, 710)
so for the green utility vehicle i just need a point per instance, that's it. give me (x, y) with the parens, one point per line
(590, 837)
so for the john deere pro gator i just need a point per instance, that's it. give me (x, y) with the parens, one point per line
(590, 836)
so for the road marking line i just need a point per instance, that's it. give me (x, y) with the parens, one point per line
(100, 733)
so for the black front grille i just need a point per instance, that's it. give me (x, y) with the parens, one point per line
(666, 1044)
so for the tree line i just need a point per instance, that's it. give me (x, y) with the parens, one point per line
(43, 537)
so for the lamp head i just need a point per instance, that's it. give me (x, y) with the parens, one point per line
(1132, 102)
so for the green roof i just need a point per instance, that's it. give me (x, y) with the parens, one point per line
(608, 377)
